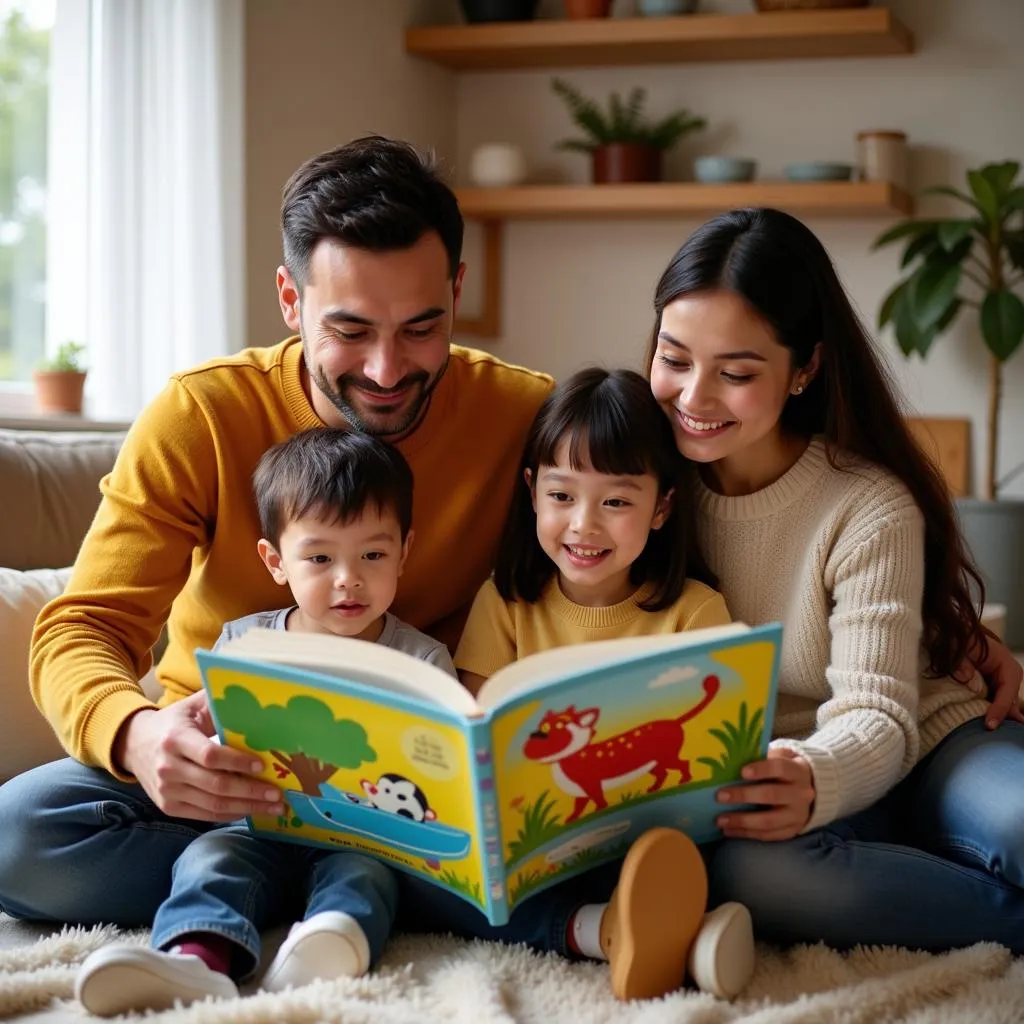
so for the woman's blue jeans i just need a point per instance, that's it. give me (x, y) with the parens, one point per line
(937, 863)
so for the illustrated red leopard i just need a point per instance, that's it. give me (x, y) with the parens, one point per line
(585, 769)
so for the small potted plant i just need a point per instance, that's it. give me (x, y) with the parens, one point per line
(973, 262)
(624, 145)
(59, 381)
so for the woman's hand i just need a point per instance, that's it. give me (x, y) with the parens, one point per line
(784, 783)
(1003, 674)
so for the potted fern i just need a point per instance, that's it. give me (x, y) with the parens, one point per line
(624, 145)
(973, 264)
(59, 382)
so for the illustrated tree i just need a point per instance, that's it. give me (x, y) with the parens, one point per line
(303, 735)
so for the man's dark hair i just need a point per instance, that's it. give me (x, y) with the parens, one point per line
(372, 193)
(334, 475)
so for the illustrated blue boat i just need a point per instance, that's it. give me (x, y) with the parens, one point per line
(345, 812)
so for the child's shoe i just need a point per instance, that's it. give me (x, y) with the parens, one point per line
(121, 978)
(327, 945)
(654, 914)
(722, 956)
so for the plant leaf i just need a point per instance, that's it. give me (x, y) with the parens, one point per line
(1002, 323)
(946, 190)
(984, 195)
(1001, 176)
(933, 290)
(886, 309)
(951, 232)
(1014, 200)
(908, 336)
(920, 246)
(903, 229)
(949, 316)
(1014, 242)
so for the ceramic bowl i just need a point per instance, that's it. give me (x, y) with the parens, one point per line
(665, 8)
(724, 168)
(819, 170)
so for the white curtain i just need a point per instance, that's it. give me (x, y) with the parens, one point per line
(165, 263)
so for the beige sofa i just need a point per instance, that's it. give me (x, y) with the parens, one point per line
(49, 494)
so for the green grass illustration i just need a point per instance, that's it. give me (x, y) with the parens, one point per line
(525, 885)
(742, 743)
(463, 885)
(539, 826)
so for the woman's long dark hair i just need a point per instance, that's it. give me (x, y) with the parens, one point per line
(779, 267)
(612, 423)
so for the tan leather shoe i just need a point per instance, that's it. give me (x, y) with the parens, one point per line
(654, 914)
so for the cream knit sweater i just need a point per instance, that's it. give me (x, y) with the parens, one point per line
(837, 555)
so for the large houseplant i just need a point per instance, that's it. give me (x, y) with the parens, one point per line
(973, 265)
(624, 145)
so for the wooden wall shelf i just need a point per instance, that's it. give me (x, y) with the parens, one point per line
(681, 199)
(493, 206)
(601, 42)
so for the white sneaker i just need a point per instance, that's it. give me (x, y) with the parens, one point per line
(721, 958)
(120, 978)
(328, 945)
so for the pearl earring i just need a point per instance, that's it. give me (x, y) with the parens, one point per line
(798, 390)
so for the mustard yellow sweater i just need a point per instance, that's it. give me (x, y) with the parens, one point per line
(175, 536)
(499, 632)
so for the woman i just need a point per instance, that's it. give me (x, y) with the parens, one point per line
(806, 469)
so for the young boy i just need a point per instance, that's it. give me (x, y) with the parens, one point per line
(335, 510)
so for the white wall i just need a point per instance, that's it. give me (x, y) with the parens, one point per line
(318, 73)
(322, 71)
(580, 292)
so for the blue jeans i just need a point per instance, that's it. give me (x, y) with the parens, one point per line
(78, 845)
(936, 864)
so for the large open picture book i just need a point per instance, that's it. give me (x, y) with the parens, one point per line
(558, 764)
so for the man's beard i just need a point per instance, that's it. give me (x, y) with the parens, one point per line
(380, 422)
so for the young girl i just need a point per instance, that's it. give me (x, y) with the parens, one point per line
(598, 546)
(816, 507)
(598, 543)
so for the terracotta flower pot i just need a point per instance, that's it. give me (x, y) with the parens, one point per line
(621, 162)
(58, 390)
(588, 8)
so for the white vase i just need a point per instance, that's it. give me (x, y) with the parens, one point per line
(497, 165)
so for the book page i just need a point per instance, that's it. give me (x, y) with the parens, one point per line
(585, 765)
(356, 771)
(357, 660)
(560, 662)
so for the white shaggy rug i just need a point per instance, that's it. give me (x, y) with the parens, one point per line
(426, 979)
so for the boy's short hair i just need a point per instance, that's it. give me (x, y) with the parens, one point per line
(334, 475)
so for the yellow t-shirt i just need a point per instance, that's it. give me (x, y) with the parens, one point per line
(175, 535)
(499, 632)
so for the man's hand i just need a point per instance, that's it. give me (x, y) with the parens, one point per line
(185, 772)
(784, 783)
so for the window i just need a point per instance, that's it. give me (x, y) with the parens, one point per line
(25, 32)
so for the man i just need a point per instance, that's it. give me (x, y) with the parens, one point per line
(371, 282)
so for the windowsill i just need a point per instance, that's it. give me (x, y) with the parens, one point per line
(57, 421)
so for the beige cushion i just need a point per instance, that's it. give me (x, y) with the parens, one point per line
(53, 478)
(26, 738)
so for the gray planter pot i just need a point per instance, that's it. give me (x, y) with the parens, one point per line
(994, 531)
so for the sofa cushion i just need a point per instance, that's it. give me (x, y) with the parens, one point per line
(26, 738)
(54, 479)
